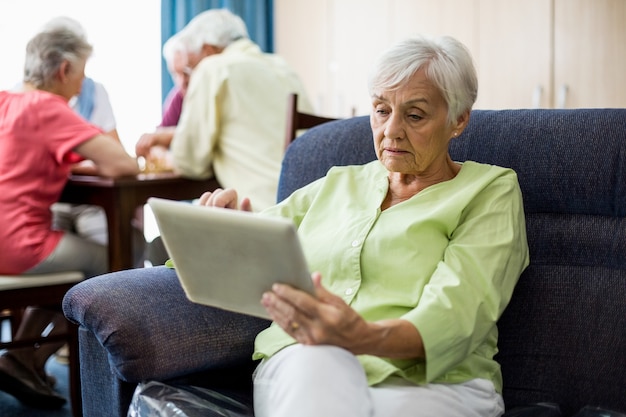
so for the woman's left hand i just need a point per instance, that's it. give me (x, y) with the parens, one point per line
(323, 319)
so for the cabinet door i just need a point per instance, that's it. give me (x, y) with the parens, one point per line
(515, 54)
(360, 31)
(590, 53)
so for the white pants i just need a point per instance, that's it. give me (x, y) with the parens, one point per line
(314, 381)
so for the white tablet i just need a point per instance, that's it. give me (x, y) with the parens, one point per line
(227, 258)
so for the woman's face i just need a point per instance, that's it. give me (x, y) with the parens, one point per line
(410, 128)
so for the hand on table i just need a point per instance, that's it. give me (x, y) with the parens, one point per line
(143, 145)
(157, 160)
(161, 137)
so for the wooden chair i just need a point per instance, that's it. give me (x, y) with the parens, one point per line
(44, 290)
(297, 120)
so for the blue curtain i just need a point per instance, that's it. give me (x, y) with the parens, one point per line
(258, 15)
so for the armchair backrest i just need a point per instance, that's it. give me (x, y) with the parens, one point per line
(310, 156)
(563, 336)
(297, 120)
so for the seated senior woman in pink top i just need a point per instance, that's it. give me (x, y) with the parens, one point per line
(41, 138)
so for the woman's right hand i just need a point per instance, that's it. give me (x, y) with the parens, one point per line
(225, 199)
(161, 137)
(145, 142)
(326, 319)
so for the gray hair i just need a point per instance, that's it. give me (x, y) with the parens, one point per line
(177, 43)
(46, 52)
(64, 22)
(217, 27)
(448, 65)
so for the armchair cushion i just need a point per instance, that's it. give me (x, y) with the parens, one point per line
(158, 323)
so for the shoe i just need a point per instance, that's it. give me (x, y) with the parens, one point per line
(50, 380)
(25, 385)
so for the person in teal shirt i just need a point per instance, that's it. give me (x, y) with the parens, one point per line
(416, 257)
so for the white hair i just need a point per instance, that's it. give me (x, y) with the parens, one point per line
(177, 43)
(448, 65)
(46, 52)
(64, 22)
(217, 27)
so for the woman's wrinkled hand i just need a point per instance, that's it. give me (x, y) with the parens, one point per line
(323, 319)
(143, 145)
(226, 198)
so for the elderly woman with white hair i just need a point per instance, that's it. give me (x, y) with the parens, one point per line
(416, 255)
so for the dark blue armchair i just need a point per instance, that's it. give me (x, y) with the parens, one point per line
(562, 338)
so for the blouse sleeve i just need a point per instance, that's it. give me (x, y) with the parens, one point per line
(475, 279)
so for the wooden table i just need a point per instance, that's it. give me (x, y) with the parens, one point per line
(120, 198)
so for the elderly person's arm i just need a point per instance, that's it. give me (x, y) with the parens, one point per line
(327, 319)
(162, 136)
(109, 157)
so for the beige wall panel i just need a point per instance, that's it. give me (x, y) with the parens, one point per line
(303, 35)
(590, 53)
(361, 32)
(437, 17)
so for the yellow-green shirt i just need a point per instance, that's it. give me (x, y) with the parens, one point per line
(446, 260)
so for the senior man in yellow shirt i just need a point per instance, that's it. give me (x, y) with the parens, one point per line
(232, 125)
(234, 114)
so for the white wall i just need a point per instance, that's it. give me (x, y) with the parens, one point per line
(126, 37)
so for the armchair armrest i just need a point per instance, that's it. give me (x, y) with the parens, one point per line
(150, 330)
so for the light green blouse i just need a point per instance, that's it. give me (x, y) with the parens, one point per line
(446, 260)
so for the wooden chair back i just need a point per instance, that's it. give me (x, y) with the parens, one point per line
(298, 120)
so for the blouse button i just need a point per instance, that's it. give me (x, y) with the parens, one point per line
(355, 243)
(349, 291)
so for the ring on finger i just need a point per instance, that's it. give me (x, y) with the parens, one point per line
(295, 325)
